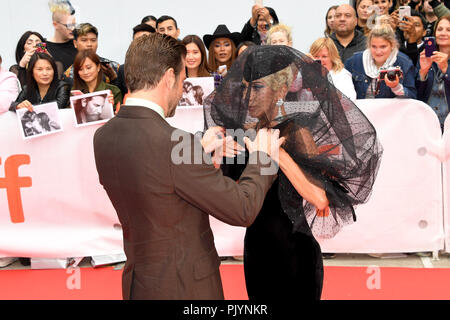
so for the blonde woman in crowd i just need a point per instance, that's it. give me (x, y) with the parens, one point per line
(325, 50)
(381, 53)
(279, 34)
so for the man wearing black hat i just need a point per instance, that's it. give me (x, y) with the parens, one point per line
(256, 28)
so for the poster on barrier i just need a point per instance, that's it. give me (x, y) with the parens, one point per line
(195, 90)
(41, 121)
(92, 108)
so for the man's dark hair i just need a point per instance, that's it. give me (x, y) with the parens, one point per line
(143, 27)
(164, 18)
(148, 18)
(163, 51)
(84, 29)
(415, 13)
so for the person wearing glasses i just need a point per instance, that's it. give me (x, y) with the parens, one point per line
(61, 45)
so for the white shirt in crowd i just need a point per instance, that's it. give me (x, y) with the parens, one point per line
(342, 80)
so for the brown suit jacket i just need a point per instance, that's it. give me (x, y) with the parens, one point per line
(163, 207)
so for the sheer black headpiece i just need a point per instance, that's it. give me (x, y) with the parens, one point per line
(328, 137)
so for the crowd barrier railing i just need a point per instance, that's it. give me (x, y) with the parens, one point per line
(52, 205)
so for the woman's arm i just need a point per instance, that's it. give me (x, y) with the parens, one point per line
(308, 190)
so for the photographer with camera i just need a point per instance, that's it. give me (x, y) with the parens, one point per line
(433, 83)
(381, 71)
(262, 19)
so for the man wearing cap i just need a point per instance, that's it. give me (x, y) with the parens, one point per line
(256, 28)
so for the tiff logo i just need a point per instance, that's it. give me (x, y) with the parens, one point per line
(12, 183)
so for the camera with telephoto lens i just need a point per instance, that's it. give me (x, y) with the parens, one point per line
(390, 73)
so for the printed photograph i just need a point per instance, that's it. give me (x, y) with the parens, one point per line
(43, 120)
(195, 90)
(92, 108)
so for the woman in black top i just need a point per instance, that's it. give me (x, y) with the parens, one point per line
(42, 85)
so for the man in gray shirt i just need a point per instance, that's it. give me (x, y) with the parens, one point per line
(346, 38)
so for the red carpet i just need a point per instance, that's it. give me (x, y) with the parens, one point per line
(341, 283)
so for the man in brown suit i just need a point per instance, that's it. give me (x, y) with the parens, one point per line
(164, 206)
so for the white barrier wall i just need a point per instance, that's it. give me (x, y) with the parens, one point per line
(404, 213)
(67, 213)
(446, 182)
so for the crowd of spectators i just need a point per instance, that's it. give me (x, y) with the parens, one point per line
(361, 41)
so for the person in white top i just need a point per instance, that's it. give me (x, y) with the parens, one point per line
(325, 50)
(9, 88)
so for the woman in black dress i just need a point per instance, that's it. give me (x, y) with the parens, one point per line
(328, 164)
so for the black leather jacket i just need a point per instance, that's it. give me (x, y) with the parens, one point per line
(61, 96)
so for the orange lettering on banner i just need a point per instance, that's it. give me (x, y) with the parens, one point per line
(12, 183)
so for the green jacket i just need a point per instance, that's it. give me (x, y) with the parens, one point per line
(115, 91)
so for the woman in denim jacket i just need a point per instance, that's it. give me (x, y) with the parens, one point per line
(433, 81)
(382, 52)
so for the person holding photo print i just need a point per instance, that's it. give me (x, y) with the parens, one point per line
(42, 85)
(88, 77)
(90, 109)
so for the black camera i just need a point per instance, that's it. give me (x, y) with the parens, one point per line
(391, 73)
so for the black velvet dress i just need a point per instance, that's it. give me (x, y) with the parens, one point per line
(280, 264)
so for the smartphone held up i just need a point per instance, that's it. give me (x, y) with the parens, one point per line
(430, 46)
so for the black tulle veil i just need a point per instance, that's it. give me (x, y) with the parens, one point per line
(327, 135)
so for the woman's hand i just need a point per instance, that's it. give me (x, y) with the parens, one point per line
(255, 9)
(25, 104)
(26, 58)
(394, 19)
(111, 97)
(425, 65)
(441, 60)
(392, 84)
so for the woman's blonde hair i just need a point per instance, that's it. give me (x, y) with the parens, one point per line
(383, 30)
(279, 28)
(283, 77)
(328, 43)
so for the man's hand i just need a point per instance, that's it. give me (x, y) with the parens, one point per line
(109, 72)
